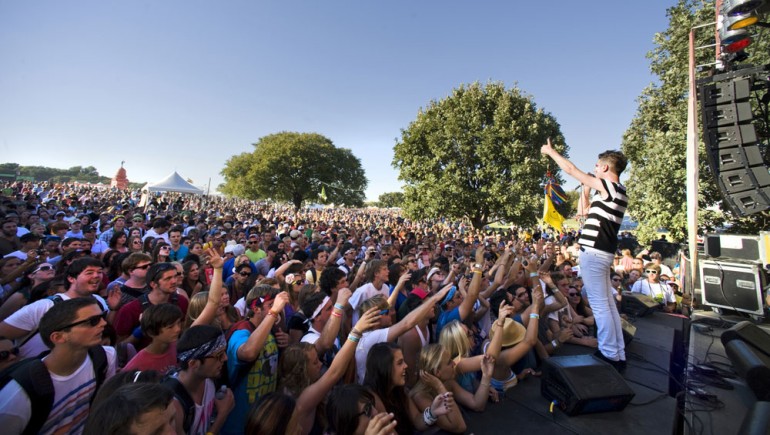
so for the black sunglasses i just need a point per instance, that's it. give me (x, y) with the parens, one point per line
(574, 294)
(5, 354)
(367, 410)
(244, 273)
(91, 321)
(145, 267)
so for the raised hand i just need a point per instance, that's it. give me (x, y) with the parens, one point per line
(487, 365)
(280, 302)
(369, 320)
(343, 295)
(381, 424)
(442, 404)
(432, 381)
(214, 259)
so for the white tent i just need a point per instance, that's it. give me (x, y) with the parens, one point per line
(172, 183)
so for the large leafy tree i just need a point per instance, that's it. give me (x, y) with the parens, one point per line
(391, 199)
(476, 155)
(295, 167)
(656, 140)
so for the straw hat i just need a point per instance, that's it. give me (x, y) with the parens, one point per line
(513, 332)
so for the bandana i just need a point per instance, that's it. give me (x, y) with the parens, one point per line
(318, 310)
(206, 349)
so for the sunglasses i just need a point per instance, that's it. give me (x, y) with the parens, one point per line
(43, 269)
(368, 406)
(385, 312)
(244, 274)
(5, 354)
(143, 267)
(616, 279)
(654, 272)
(91, 321)
(574, 294)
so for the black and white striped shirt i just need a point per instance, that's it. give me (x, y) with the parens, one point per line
(604, 218)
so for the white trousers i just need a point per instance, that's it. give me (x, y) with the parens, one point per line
(595, 267)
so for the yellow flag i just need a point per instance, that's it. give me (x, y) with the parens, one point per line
(551, 216)
(323, 194)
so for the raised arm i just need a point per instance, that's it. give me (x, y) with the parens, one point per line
(570, 168)
(332, 327)
(416, 315)
(250, 350)
(313, 395)
(209, 312)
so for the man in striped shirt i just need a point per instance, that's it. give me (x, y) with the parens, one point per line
(598, 243)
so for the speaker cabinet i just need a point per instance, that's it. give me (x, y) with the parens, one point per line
(637, 304)
(734, 285)
(738, 246)
(583, 384)
(732, 143)
(629, 331)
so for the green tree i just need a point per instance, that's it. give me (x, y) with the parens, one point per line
(656, 140)
(391, 199)
(294, 167)
(476, 155)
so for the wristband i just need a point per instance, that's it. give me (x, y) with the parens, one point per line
(353, 338)
(555, 343)
(356, 331)
(336, 314)
(275, 315)
(339, 306)
(532, 274)
(478, 271)
(428, 417)
(534, 316)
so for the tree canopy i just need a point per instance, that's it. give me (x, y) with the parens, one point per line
(390, 199)
(476, 154)
(656, 141)
(295, 167)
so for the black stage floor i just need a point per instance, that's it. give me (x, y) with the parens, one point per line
(657, 350)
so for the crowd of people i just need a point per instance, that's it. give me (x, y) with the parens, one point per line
(196, 315)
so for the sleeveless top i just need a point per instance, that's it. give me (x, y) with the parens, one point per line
(604, 218)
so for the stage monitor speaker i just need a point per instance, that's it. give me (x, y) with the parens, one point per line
(732, 144)
(738, 246)
(753, 366)
(637, 304)
(583, 384)
(733, 285)
(629, 331)
(752, 334)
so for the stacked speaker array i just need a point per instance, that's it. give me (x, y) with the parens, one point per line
(732, 142)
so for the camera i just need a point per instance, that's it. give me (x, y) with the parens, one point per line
(40, 251)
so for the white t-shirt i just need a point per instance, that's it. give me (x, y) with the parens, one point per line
(204, 412)
(71, 404)
(363, 293)
(28, 319)
(658, 291)
(366, 342)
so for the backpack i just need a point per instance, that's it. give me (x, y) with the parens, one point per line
(55, 299)
(244, 370)
(33, 377)
(184, 398)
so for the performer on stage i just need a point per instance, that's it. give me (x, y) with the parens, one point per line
(598, 243)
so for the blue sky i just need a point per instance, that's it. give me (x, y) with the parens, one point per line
(184, 85)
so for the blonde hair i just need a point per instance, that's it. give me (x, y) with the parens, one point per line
(378, 301)
(195, 308)
(430, 359)
(454, 339)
